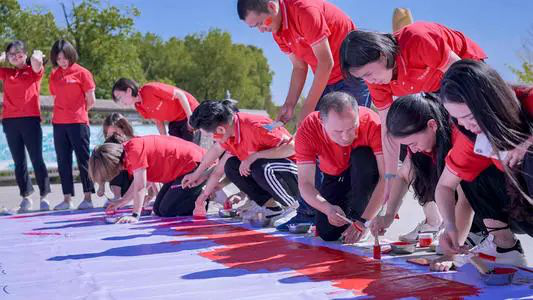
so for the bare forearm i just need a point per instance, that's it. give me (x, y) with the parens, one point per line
(320, 81)
(398, 191)
(313, 197)
(282, 151)
(298, 77)
(445, 198)
(161, 127)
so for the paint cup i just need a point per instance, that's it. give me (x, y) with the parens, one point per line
(227, 204)
(403, 247)
(299, 228)
(227, 213)
(425, 239)
(499, 276)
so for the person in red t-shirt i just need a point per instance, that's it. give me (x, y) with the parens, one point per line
(439, 149)
(346, 139)
(21, 120)
(72, 88)
(310, 32)
(159, 102)
(258, 160)
(409, 61)
(151, 158)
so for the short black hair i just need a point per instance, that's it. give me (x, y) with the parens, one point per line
(257, 6)
(123, 84)
(363, 47)
(210, 114)
(19, 45)
(68, 50)
(337, 101)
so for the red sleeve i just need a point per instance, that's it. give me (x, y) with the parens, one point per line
(374, 133)
(305, 146)
(135, 157)
(38, 75)
(282, 45)
(524, 94)
(87, 81)
(463, 162)
(271, 139)
(163, 92)
(381, 95)
(313, 25)
(4, 73)
(51, 84)
(431, 49)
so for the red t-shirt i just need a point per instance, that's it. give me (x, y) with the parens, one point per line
(22, 88)
(251, 136)
(462, 160)
(68, 88)
(164, 157)
(312, 141)
(525, 96)
(158, 102)
(424, 50)
(307, 22)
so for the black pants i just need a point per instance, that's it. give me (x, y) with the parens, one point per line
(26, 133)
(172, 200)
(123, 181)
(269, 178)
(489, 199)
(351, 191)
(69, 137)
(527, 171)
(180, 129)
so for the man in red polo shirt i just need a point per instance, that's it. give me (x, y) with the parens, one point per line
(258, 160)
(347, 141)
(310, 32)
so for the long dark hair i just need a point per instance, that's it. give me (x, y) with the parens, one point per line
(409, 115)
(363, 47)
(494, 105)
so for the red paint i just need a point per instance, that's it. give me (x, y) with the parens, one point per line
(110, 212)
(27, 216)
(401, 243)
(255, 251)
(199, 217)
(37, 233)
(425, 242)
(502, 271)
(377, 252)
(486, 256)
(227, 204)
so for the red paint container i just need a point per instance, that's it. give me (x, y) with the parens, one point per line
(425, 239)
(377, 252)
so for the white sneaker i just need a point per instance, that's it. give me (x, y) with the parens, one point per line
(512, 256)
(280, 217)
(474, 239)
(86, 204)
(422, 227)
(64, 205)
(25, 205)
(44, 205)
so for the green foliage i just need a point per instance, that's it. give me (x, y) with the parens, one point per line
(204, 64)
(525, 74)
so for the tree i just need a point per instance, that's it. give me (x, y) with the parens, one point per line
(102, 36)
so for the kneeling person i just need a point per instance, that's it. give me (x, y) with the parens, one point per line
(347, 141)
(152, 158)
(258, 159)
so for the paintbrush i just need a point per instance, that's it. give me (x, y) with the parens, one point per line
(354, 224)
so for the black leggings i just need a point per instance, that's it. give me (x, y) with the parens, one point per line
(489, 198)
(351, 191)
(69, 137)
(172, 200)
(26, 134)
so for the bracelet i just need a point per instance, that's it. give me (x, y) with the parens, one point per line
(389, 176)
(135, 215)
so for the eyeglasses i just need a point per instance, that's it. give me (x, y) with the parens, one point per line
(15, 54)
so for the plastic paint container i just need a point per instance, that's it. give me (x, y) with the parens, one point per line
(227, 213)
(377, 252)
(403, 247)
(425, 239)
(499, 276)
(299, 228)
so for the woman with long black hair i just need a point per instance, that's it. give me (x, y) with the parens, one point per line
(500, 124)
(21, 119)
(436, 147)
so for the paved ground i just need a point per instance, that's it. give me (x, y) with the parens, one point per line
(410, 213)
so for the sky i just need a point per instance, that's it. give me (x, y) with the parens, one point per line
(499, 27)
